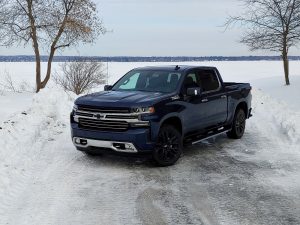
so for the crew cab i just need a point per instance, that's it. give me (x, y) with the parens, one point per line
(158, 110)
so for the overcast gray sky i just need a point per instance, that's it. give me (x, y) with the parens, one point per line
(162, 28)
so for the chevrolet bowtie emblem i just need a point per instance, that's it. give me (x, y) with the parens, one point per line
(98, 116)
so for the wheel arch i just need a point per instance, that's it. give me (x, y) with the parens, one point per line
(173, 121)
(242, 105)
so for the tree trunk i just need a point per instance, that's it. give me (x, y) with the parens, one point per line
(286, 67)
(37, 70)
(35, 45)
(285, 59)
(49, 67)
(52, 52)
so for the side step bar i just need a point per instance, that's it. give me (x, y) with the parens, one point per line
(214, 134)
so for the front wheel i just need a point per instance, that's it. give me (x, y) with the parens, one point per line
(238, 125)
(168, 148)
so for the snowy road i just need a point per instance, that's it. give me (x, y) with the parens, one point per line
(255, 180)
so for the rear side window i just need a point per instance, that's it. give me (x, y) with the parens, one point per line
(208, 80)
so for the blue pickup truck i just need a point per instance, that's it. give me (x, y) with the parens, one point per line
(157, 110)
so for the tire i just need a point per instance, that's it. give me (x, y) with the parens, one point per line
(238, 125)
(168, 148)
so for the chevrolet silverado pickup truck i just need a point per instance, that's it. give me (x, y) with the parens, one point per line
(158, 110)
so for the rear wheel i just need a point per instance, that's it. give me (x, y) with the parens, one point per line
(168, 148)
(238, 125)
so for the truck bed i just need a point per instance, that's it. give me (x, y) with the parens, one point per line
(233, 85)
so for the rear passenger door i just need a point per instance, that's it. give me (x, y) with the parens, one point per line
(213, 98)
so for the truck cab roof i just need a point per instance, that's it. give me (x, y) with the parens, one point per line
(179, 68)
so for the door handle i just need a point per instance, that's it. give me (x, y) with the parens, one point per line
(205, 100)
(224, 96)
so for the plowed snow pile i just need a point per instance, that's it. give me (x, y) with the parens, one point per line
(24, 135)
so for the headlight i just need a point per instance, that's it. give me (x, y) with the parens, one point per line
(144, 110)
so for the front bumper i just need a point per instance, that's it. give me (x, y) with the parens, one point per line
(124, 147)
(139, 140)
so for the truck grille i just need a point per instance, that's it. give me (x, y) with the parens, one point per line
(104, 110)
(103, 124)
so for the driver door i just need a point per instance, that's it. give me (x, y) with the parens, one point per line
(196, 111)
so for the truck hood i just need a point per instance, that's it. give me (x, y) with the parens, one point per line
(122, 99)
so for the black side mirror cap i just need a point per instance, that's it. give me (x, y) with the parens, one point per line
(107, 87)
(194, 91)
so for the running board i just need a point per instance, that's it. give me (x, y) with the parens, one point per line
(210, 136)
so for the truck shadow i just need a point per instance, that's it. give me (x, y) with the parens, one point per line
(190, 152)
(211, 149)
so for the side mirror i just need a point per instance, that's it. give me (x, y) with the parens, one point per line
(107, 87)
(194, 91)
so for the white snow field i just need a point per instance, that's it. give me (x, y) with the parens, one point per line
(255, 180)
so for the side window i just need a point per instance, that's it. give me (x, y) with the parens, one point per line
(190, 80)
(193, 76)
(208, 80)
(130, 83)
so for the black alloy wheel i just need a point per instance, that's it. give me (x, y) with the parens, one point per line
(238, 125)
(168, 148)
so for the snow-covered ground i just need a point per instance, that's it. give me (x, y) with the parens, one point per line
(255, 180)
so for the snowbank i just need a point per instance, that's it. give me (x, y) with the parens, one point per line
(23, 136)
(274, 115)
(274, 86)
(13, 104)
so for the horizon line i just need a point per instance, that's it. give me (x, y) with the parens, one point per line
(82, 56)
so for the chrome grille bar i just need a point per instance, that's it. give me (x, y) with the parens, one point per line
(99, 119)
(103, 125)
(128, 117)
(101, 110)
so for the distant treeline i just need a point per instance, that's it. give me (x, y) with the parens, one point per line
(29, 58)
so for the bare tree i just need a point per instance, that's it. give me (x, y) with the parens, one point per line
(80, 77)
(8, 84)
(271, 25)
(54, 24)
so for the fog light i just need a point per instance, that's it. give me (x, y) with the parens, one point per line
(80, 141)
(77, 141)
(83, 142)
(129, 146)
(119, 146)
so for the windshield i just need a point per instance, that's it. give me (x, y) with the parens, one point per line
(148, 80)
